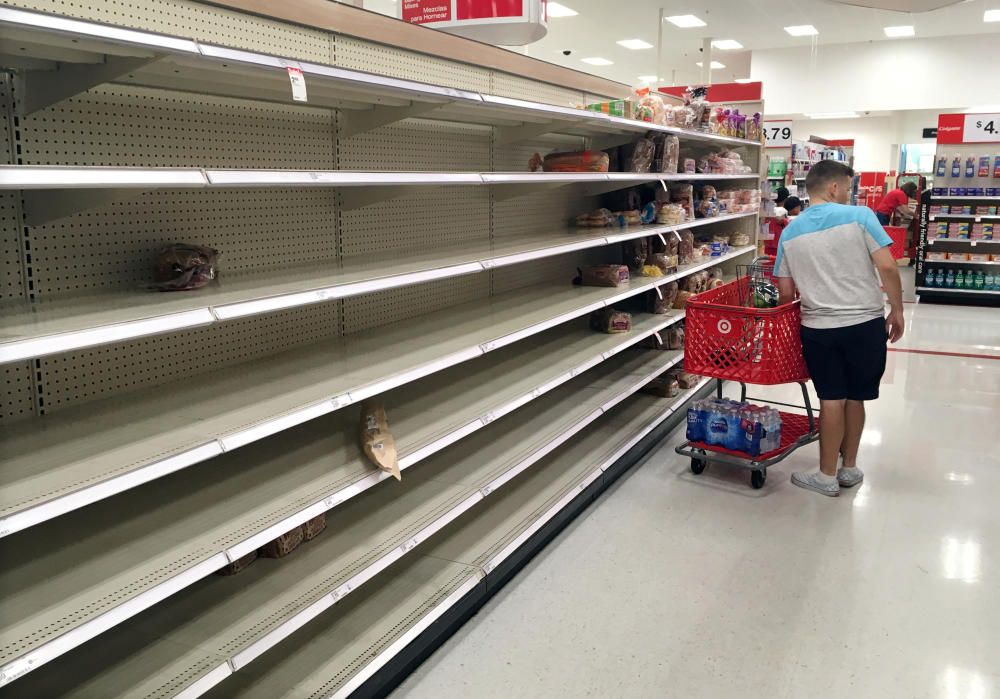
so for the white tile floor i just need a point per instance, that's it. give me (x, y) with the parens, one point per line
(675, 585)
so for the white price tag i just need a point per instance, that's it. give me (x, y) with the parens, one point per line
(981, 128)
(340, 593)
(298, 81)
(488, 346)
(341, 400)
(486, 491)
(333, 501)
(409, 545)
(778, 134)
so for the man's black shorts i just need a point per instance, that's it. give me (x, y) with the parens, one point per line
(846, 363)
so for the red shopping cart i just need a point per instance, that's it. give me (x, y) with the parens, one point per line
(727, 337)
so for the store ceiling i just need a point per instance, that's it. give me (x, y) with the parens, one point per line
(756, 24)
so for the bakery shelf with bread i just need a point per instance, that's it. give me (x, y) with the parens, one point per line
(113, 558)
(86, 454)
(89, 54)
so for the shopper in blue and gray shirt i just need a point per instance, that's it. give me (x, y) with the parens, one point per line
(830, 255)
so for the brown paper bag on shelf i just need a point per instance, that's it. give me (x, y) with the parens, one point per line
(376, 440)
(314, 527)
(238, 565)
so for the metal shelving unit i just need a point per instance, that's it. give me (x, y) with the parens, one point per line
(378, 241)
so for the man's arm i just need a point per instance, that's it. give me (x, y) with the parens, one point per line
(893, 285)
(786, 290)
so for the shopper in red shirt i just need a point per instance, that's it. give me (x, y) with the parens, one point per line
(893, 200)
(792, 207)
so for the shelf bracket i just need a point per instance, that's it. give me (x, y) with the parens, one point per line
(504, 192)
(37, 89)
(43, 206)
(353, 123)
(358, 197)
(507, 135)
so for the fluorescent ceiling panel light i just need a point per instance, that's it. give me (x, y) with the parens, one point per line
(715, 65)
(685, 21)
(991, 16)
(635, 44)
(726, 44)
(649, 78)
(802, 30)
(899, 31)
(554, 9)
(597, 61)
(834, 115)
(743, 81)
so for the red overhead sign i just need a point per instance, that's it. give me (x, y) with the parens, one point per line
(482, 9)
(968, 128)
(426, 11)
(724, 92)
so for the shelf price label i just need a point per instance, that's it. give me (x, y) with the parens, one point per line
(778, 134)
(969, 128)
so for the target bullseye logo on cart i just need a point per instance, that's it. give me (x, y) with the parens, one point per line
(724, 327)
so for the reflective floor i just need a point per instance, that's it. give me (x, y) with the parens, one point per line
(676, 585)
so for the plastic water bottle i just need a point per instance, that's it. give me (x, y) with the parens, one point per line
(696, 421)
(949, 279)
(970, 279)
(776, 429)
(734, 435)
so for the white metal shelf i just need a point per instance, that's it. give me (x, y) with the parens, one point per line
(932, 241)
(60, 57)
(945, 197)
(959, 262)
(112, 557)
(964, 217)
(42, 328)
(71, 459)
(334, 654)
(945, 290)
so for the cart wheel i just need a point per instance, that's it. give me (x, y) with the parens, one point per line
(697, 465)
(757, 479)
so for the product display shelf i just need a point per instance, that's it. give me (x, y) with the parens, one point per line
(936, 241)
(964, 217)
(946, 197)
(41, 328)
(53, 192)
(86, 54)
(95, 568)
(85, 454)
(38, 329)
(962, 262)
(946, 291)
(345, 647)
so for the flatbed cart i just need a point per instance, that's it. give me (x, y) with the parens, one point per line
(728, 338)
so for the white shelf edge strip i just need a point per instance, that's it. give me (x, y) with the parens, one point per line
(114, 616)
(45, 345)
(205, 682)
(413, 632)
(956, 291)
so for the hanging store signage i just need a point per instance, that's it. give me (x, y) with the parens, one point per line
(968, 128)
(505, 22)
(778, 134)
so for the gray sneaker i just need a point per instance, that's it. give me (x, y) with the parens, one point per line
(810, 480)
(849, 477)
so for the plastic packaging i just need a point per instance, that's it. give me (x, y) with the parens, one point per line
(635, 252)
(675, 337)
(608, 320)
(314, 527)
(685, 254)
(576, 161)
(601, 218)
(377, 441)
(671, 154)
(670, 214)
(641, 159)
(283, 545)
(663, 302)
(602, 275)
(683, 194)
(182, 267)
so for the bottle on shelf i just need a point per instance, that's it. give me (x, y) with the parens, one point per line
(979, 283)
(939, 277)
(970, 279)
(959, 279)
(949, 279)
(956, 167)
(989, 281)
(929, 278)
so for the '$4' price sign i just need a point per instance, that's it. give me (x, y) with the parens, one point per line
(982, 128)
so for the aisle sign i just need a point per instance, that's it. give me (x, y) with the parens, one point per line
(778, 134)
(426, 11)
(968, 128)
(505, 22)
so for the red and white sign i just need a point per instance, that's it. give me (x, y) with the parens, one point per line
(778, 133)
(968, 128)
(720, 93)
(506, 22)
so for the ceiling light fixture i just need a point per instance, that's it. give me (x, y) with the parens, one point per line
(649, 79)
(834, 115)
(686, 21)
(899, 31)
(743, 81)
(635, 44)
(991, 16)
(554, 9)
(726, 44)
(597, 61)
(714, 65)
(802, 30)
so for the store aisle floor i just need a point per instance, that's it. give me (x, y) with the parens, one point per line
(675, 585)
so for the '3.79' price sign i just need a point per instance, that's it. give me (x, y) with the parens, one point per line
(778, 134)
